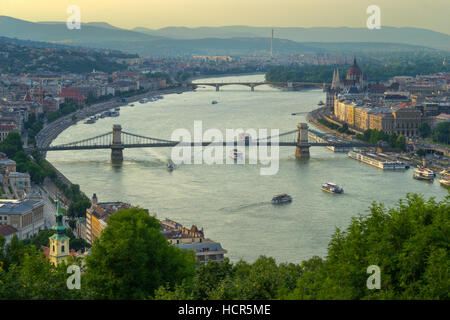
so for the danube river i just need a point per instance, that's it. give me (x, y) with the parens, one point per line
(232, 202)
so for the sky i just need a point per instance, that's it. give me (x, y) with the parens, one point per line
(154, 14)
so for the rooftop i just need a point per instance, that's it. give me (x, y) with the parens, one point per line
(18, 206)
(6, 230)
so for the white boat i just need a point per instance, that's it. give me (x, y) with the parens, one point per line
(445, 178)
(378, 160)
(332, 188)
(421, 173)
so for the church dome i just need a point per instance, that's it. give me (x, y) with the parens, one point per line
(354, 73)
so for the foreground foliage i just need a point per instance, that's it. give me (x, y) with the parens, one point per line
(409, 243)
(133, 260)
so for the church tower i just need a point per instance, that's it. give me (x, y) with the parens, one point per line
(59, 242)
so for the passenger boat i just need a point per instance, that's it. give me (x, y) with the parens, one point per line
(445, 178)
(143, 100)
(90, 120)
(421, 173)
(114, 114)
(131, 105)
(117, 109)
(170, 166)
(235, 154)
(281, 198)
(332, 188)
(245, 137)
(378, 160)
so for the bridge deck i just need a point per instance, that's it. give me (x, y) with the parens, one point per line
(204, 144)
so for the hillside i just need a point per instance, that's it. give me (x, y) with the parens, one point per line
(412, 36)
(20, 56)
(235, 40)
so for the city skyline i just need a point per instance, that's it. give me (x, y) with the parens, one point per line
(287, 13)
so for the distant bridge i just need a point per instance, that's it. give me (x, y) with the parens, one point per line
(117, 140)
(289, 85)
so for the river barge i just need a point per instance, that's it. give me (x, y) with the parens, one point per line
(378, 160)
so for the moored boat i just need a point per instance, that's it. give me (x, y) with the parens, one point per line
(90, 120)
(281, 198)
(445, 178)
(332, 188)
(421, 173)
(378, 160)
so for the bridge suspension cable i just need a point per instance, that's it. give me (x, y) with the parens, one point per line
(131, 138)
(100, 140)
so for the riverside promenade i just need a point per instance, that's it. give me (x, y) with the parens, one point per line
(51, 130)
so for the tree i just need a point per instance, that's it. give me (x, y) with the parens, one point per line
(132, 258)
(401, 143)
(424, 130)
(442, 133)
(36, 278)
(409, 243)
(421, 152)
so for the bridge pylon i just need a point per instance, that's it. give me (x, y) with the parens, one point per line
(302, 149)
(117, 145)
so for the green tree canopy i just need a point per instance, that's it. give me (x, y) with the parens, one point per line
(132, 258)
(410, 244)
(424, 130)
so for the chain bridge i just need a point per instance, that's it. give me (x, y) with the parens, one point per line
(118, 140)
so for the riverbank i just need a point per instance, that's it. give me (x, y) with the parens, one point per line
(323, 113)
(49, 133)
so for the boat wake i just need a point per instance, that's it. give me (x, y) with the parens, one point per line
(244, 207)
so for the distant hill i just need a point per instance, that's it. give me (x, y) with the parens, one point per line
(58, 32)
(235, 40)
(24, 56)
(92, 24)
(413, 36)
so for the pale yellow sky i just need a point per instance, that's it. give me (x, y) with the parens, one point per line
(429, 14)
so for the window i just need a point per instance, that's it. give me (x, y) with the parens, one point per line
(53, 248)
(62, 248)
